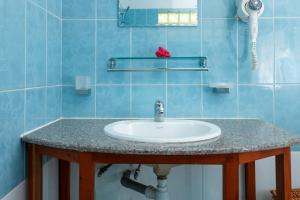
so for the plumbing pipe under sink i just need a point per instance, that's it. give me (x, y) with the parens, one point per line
(150, 192)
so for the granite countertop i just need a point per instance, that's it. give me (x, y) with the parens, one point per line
(87, 135)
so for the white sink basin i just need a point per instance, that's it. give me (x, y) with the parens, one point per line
(170, 131)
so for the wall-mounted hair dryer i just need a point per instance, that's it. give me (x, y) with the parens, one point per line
(249, 11)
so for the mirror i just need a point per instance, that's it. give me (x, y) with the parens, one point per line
(143, 13)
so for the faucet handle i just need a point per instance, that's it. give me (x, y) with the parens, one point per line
(159, 104)
(159, 111)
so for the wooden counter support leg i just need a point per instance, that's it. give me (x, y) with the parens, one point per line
(231, 179)
(250, 181)
(86, 177)
(64, 180)
(34, 173)
(283, 175)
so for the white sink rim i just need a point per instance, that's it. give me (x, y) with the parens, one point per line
(214, 132)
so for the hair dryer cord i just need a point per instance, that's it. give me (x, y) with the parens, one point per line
(254, 56)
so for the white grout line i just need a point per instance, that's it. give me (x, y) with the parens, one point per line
(203, 19)
(218, 18)
(201, 49)
(237, 70)
(175, 84)
(46, 83)
(95, 57)
(61, 61)
(31, 88)
(40, 127)
(274, 65)
(47, 11)
(166, 73)
(287, 84)
(147, 118)
(232, 18)
(12, 90)
(286, 17)
(130, 75)
(41, 87)
(202, 80)
(25, 75)
(62, 10)
(26, 89)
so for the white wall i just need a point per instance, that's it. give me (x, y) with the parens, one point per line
(185, 182)
(18, 193)
(190, 182)
(50, 185)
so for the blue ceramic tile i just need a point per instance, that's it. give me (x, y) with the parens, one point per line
(151, 37)
(113, 101)
(53, 103)
(287, 106)
(12, 151)
(54, 51)
(184, 101)
(36, 47)
(184, 41)
(78, 50)
(42, 3)
(78, 9)
(75, 105)
(12, 44)
(219, 105)
(55, 7)
(287, 8)
(144, 97)
(184, 77)
(287, 42)
(112, 41)
(256, 102)
(142, 47)
(295, 148)
(265, 51)
(268, 12)
(218, 9)
(220, 46)
(35, 108)
(107, 9)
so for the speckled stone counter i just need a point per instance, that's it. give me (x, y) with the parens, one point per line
(87, 135)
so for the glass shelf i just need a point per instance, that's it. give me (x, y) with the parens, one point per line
(157, 58)
(112, 66)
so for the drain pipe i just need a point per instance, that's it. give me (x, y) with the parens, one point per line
(150, 192)
(161, 192)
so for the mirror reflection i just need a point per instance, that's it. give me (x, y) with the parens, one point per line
(158, 13)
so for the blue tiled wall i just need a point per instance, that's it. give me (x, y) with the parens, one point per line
(37, 36)
(91, 36)
(30, 78)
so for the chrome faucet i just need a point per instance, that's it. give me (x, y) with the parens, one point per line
(159, 111)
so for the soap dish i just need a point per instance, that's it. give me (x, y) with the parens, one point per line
(220, 87)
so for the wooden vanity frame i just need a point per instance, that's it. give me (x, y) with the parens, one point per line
(87, 162)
